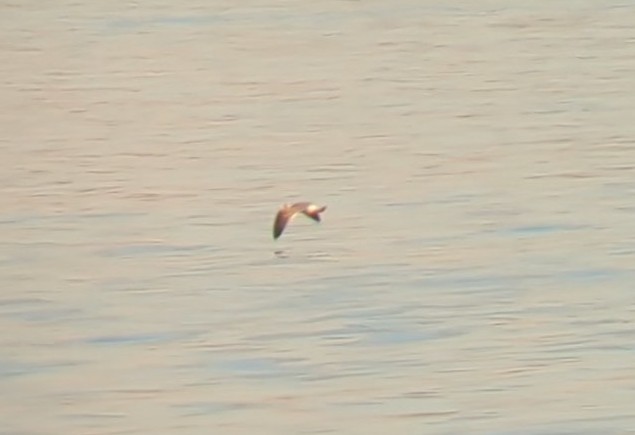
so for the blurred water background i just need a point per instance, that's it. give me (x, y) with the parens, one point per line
(475, 268)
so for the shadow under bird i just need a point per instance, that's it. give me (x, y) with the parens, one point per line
(289, 211)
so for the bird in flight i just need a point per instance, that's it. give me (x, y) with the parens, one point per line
(288, 212)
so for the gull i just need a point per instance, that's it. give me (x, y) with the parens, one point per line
(288, 212)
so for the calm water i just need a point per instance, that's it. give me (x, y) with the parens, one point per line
(475, 269)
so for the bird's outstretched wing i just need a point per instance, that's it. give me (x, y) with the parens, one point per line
(314, 216)
(280, 222)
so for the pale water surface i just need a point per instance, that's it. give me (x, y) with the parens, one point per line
(475, 269)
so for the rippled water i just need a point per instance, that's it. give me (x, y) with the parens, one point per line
(474, 269)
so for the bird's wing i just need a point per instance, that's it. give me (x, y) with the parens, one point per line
(280, 222)
(313, 215)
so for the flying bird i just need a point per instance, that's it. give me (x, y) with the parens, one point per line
(288, 212)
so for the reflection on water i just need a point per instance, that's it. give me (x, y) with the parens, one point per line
(473, 273)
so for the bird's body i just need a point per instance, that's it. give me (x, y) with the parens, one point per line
(288, 212)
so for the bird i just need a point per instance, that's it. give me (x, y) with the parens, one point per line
(288, 212)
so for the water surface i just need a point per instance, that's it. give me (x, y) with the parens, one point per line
(474, 269)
